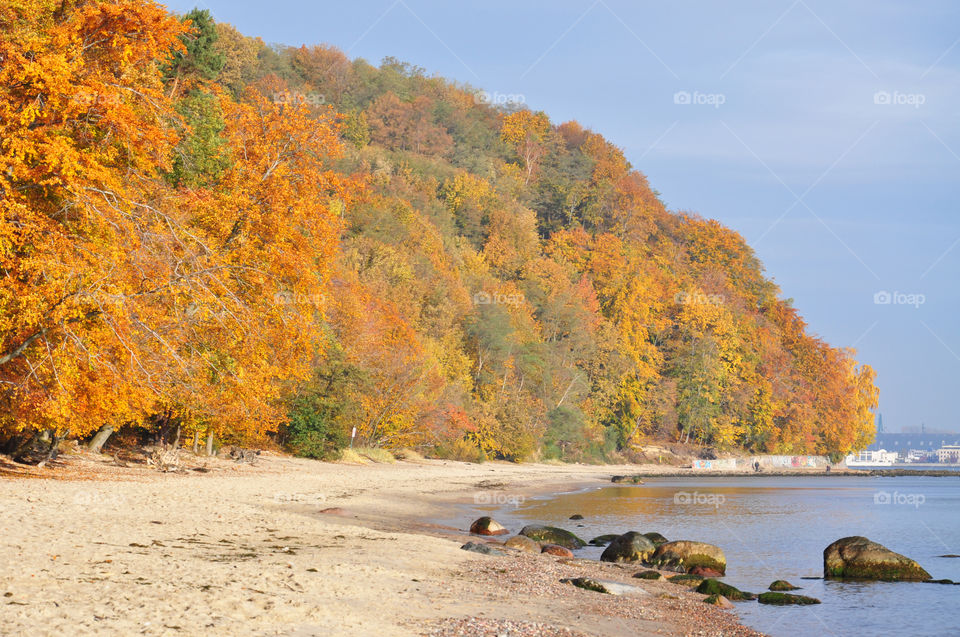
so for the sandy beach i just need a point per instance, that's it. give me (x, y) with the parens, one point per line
(288, 546)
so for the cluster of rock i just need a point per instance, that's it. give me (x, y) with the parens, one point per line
(698, 564)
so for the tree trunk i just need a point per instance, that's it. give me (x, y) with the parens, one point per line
(176, 439)
(54, 446)
(196, 442)
(210, 442)
(100, 438)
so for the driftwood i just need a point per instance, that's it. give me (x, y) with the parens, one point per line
(165, 460)
(245, 455)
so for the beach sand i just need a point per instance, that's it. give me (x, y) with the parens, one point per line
(89, 547)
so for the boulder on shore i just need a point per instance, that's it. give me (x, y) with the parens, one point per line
(485, 549)
(652, 575)
(684, 556)
(857, 557)
(552, 535)
(487, 526)
(686, 580)
(786, 599)
(604, 586)
(629, 547)
(718, 600)
(556, 549)
(523, 543)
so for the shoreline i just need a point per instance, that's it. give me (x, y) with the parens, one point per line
(297, 547)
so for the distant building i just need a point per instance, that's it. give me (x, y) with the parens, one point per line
(916, 442)
(949, 453)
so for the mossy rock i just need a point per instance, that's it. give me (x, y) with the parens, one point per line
(603, 540)
(634, 479)
(717, 600)
(783, 585)
(648, 575)
(656, 538)
(629, 547)
(715, 587)
(684, 555)
(587, 584)
(552, 535)
(786, 599)
(685, 580)
(857, 557)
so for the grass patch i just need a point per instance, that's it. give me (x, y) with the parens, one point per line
(376, 454)
(408, 455)
(350, 456)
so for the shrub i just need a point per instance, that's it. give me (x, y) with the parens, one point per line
(313, 433)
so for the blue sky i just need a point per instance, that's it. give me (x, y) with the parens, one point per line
(827, 133)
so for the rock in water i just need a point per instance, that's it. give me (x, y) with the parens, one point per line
(783, 585)
(859, 558)
(576, 516)
(552, 535)
(684, 556)
(487, 526)
(785, 599)
(486, 549)
(556, 549)
(629, 547)
(713, 587)
(523, 543)
(603, 540)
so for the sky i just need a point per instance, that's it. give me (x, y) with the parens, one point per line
(827, 133)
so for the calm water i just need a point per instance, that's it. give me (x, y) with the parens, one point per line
(776, 528)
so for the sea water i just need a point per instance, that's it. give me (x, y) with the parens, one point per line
(774, 528)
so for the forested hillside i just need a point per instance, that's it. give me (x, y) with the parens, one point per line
(202, 233)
